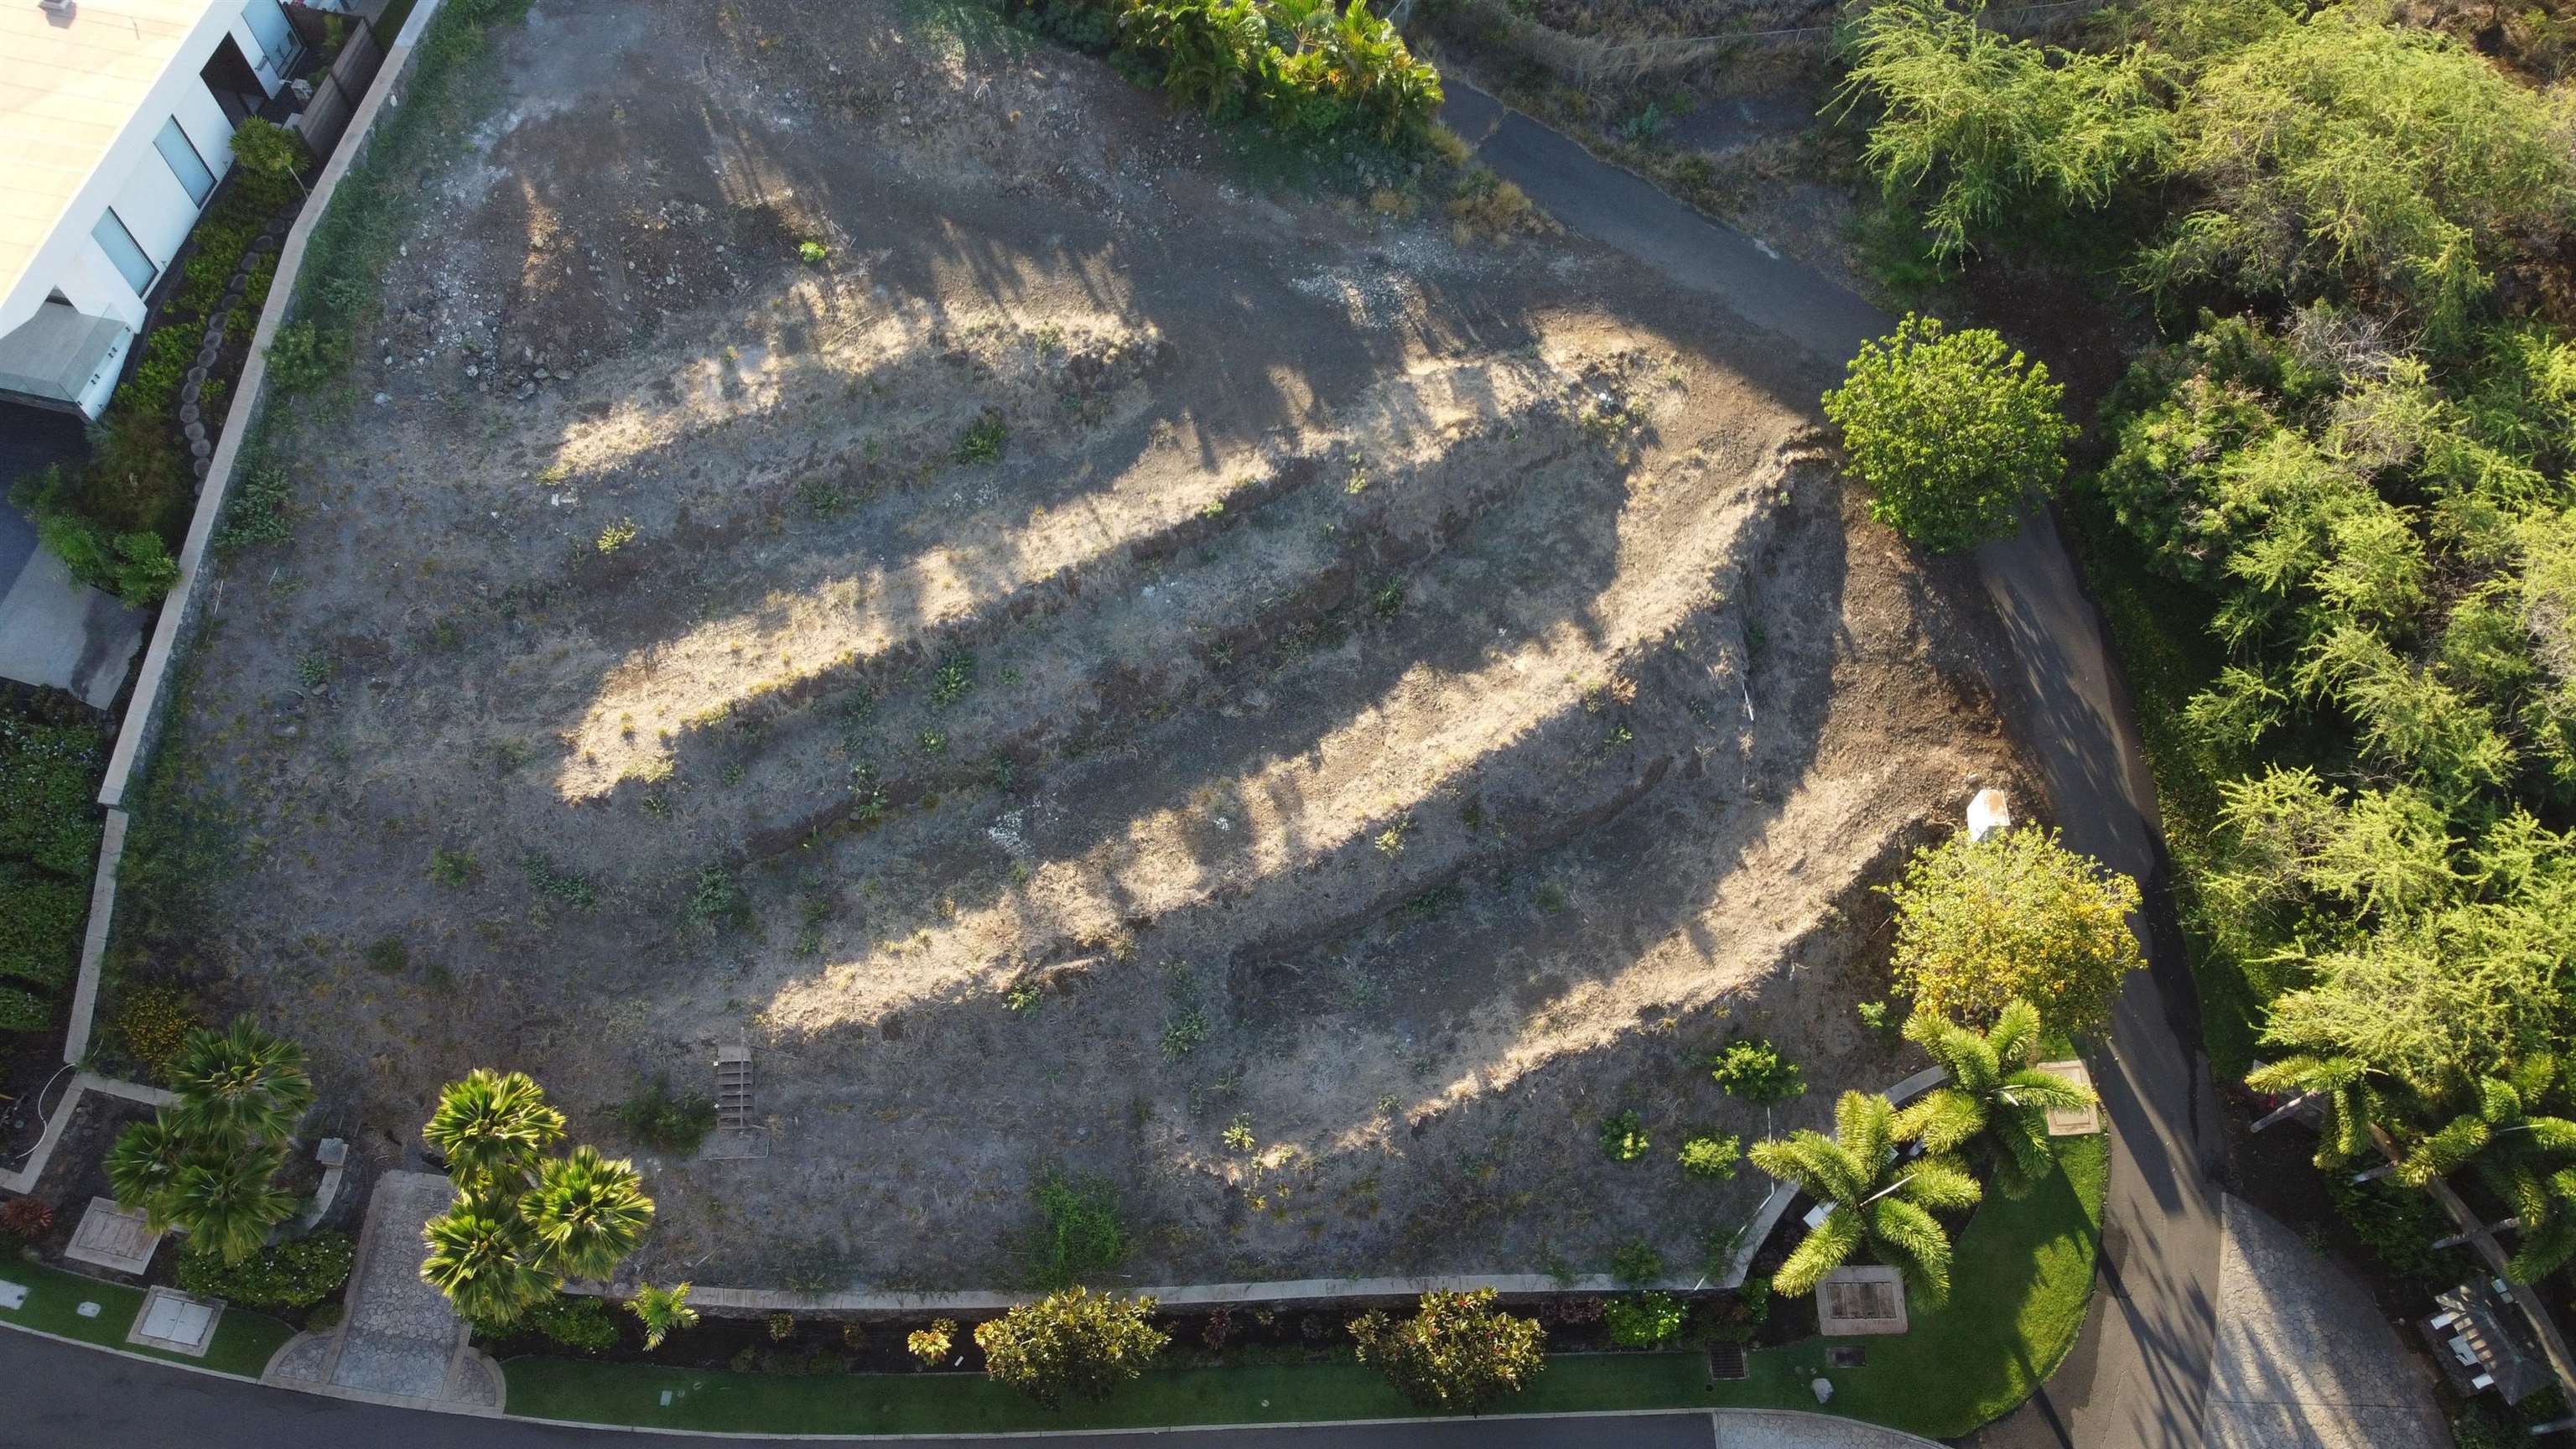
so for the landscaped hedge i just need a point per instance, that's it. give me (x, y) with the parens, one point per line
(48, 782)
(40, 925)
(297, 1273)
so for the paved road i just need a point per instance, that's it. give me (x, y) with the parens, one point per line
(2139, 1372)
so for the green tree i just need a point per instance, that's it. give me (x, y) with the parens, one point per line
(1070, 1345)
(265, 148)
(586, 1213)
(2345, 153)
(239, 1085)
(1994, 1091)
(481, 1257)
(1952, 430)
(1457, 1353)
(492, 1126)
(1872, 1195)
(663, 1311)
(1989, 122)
(226, 1199)
(2015, 915)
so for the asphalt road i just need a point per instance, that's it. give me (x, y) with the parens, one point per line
(60, 1396)
(2139, 1372)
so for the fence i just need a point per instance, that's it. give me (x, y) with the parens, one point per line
(336, 91)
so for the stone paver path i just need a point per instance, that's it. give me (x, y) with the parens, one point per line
(2304, 1360)
(398, 1337)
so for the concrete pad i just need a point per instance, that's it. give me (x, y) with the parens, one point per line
(59, 632)
(2303, 1358)
(1858, 1300)
(113, 1237)
(13, 1295)
(2073, 1122)
(176, 1323)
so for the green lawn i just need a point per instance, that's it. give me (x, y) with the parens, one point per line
(2024, 1271)
(244, 1340)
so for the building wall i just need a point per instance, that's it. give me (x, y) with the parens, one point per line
(133, 178)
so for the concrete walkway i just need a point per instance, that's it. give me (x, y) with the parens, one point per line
(2304, 1359)
(398, 1341)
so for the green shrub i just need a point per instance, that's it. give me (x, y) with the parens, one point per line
(1951, 430)
(261, 509)
(1457, 1353)
(153, 1022)
(1079, 1232)
(2398, 1226)
(1070, 1345)
(48, 795)
(658, 1118)
(582, 1324)
(40, 925)
(1711, 1158)
(1623, 1137)
(984, 440)
(20, 1011)
(1752, 1070)
(299, 360)
(1645, 1321)
(718, 900)
(1636, 1261)
(297, 1273)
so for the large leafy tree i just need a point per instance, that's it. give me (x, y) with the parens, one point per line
(1071, 1345)
(523, 1220)
(1457, 1353)
(1994, 1091)
(2015, 916)
(1953, 431)
(1873, 1195)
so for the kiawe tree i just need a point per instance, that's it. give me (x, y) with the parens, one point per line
(1873, 1196)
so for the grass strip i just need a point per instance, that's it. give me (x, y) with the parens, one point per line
(244, 1341)
(2024, 1271)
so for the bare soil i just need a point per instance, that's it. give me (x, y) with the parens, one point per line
(1113, 652)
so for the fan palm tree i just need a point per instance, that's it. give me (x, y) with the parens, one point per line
(479, 1257)
(492, 1127)
(239, 1085)
(144, 1165)
(665, 1311)
(586, 1212)
(1993, 1089)
(225, 1199)
(1872, 1195)
(2342, 1084)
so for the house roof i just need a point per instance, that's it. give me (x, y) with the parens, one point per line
(68, 87)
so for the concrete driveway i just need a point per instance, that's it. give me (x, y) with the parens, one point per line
(53, 630)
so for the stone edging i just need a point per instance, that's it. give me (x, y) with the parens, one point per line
(1281, 1291)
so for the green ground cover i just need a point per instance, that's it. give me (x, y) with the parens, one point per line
(2023, 1273)
(244, 1341)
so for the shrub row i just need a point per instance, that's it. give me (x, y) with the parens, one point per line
(297, 1273)
(49, 836)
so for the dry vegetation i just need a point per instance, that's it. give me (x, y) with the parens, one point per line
(1110, 669)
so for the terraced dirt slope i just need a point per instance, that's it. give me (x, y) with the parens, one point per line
(1112, 670)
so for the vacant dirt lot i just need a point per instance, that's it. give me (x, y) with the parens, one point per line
(1109, 655)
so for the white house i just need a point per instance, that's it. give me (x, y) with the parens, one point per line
(116, 121)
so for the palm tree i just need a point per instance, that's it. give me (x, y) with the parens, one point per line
(492, 1126)
(144, 1165)
(225, 1201)
(2341, 1084)
(479, 1258)
(240, 1085)
(1872, 1195)
(587, 1212)
(2521, 1153)
(665, 1311)
(1993, 1089)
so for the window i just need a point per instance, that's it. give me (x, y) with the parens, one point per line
(185, 163)
(276, 36)
(121, 248)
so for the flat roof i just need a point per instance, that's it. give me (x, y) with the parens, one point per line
(68, 87)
